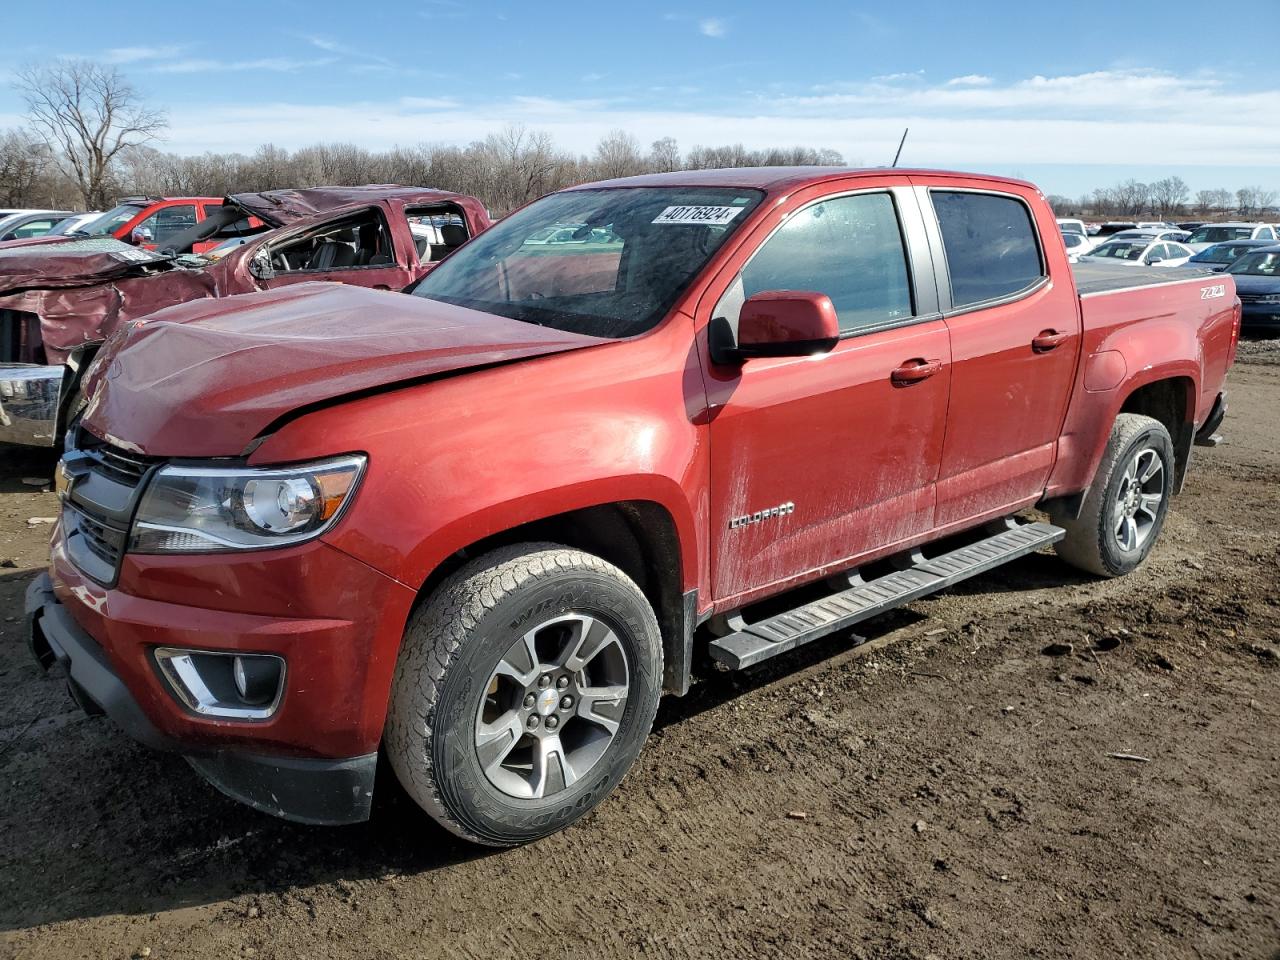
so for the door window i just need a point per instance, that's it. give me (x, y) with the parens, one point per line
(990, 244)
(166, 222)
(849, 248)
(361, 240)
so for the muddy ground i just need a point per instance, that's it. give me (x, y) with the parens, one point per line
(944, 791)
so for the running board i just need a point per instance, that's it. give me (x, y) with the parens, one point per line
(862, 601)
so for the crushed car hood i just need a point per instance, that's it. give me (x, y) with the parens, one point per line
(206, 378)
(73, 263)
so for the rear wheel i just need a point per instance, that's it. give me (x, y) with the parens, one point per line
(1125, 507)
(525, 688)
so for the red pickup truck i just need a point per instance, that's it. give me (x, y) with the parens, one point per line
(482, 527)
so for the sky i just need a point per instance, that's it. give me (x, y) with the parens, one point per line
(1070, 95)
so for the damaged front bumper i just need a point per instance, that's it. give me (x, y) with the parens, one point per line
(306, 790)
(30, 396)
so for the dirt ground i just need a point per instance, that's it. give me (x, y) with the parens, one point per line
(944, 791)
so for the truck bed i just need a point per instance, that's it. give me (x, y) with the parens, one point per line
(1092, 278)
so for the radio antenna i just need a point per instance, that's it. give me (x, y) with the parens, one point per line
(900, 143)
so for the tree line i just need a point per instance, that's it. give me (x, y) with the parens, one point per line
(1165, 199)
(90, 140)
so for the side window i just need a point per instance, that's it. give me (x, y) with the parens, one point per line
(990, 243)
(436, 232)
(1266, 233)
(849, 248)
(34, 228)
(211, 208)
(361, 240)
(166, 222)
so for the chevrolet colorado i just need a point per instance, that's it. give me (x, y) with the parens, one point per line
(483, 526)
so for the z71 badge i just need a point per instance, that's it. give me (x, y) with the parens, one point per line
(1214, 292)
(781, 510)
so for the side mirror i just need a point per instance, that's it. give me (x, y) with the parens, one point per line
(786, 323)
(260, 266)
(1152, 261)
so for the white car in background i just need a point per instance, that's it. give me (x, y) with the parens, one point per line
(1211, 233)
(1077, 246)
(1140, 252)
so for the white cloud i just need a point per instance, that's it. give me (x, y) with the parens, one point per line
(119, 55)
(970, 80)
(1140, 118)
(269, 64)
(712, 27)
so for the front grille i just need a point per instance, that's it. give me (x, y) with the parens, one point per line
(123, 466)
(98, 510)
(98, 538)
(1253, 297)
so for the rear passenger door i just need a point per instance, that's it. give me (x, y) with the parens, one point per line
(819, 460)
(1015, 336)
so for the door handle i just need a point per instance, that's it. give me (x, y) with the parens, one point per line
(913, 371)
(1049, 340)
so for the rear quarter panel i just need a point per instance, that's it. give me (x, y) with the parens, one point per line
(1136, 336)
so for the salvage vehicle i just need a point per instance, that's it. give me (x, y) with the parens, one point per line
(1141, 250)
(481, 527)
(59, 301)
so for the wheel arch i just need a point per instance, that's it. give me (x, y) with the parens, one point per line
(640, 536)
(1172, 401)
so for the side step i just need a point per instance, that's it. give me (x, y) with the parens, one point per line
(786, 631)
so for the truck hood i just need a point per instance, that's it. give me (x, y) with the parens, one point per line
(73, 263)
(206, 378)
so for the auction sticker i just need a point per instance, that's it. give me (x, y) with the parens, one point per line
(707, 216)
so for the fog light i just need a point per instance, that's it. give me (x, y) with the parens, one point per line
(228, 685)
(257, 678)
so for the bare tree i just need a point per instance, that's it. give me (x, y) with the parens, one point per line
(23, 161)
(618, 155)
(1254, 200)
(89, 113)
(664, 155)
(1061, 205)
(1168, 196)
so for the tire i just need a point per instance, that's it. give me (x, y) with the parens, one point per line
(469, 728)
(1118, 523)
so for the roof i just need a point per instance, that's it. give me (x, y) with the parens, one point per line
(778, 178)
(279, 207)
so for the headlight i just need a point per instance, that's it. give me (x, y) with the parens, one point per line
(206, 509)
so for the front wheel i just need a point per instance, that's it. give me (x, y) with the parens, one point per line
(1125, 507)
(525, 688)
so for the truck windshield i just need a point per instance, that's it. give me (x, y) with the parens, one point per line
(607, 263)
(110, 221)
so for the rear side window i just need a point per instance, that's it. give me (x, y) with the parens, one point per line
(849, 248)
(990, 244)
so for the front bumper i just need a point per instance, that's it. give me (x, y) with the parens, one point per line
(1258, 317)
(304, 789)
(29, 399)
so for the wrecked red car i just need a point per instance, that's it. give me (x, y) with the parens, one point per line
(58, 302)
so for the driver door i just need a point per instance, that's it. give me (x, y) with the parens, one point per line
(818, 461)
